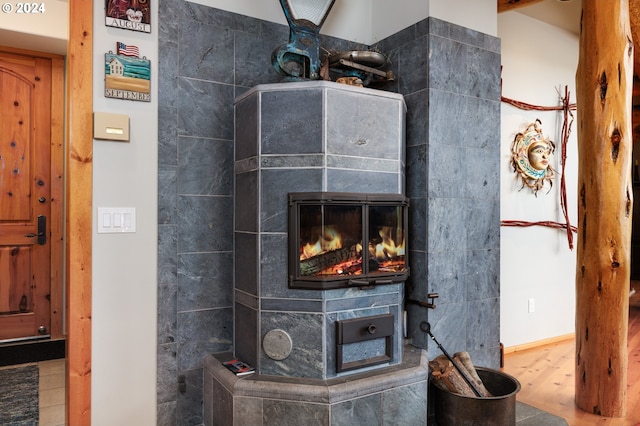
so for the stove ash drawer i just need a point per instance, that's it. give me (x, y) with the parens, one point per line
(363, 342)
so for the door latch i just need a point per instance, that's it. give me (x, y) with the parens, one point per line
(42, 231)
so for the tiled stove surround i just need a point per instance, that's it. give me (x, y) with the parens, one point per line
(450, 79)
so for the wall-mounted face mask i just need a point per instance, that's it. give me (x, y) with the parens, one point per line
(530, 157)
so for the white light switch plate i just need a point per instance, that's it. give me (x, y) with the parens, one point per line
(116, 220)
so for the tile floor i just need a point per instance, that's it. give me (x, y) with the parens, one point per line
(52, 393)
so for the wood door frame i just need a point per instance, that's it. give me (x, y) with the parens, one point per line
(79, 201)
(56, 184)
(57, 195)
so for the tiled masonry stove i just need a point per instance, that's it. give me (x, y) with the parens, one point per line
(320, 262)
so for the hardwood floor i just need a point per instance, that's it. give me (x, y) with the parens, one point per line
(546, 374)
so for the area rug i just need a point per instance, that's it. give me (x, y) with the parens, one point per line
(19, 395)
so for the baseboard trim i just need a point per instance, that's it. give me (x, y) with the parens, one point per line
(538, 343)
(34, 351)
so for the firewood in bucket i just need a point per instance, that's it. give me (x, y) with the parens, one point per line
(449, 378)
(426, 327)
(464, 360)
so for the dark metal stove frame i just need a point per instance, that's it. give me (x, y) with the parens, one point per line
(297, 199)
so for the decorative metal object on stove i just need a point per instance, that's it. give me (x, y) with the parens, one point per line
(367, 66)
(299, 59)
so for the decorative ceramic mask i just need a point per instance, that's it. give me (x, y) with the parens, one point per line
(530, 156)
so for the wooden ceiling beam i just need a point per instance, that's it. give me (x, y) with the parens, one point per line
(507, 5)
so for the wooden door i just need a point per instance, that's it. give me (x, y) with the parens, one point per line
(25, 196)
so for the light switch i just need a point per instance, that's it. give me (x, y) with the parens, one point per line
(116, 220)
(112, 127)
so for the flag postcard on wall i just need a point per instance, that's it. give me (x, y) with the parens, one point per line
(132, 15)
(127, 76)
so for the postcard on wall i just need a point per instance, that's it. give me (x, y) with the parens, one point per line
(132, 15)
(126, 75)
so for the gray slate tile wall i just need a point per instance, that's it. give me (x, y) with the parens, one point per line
(450, 78)
(208, 57)
(203, 66)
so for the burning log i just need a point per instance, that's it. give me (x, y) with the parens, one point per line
(394, 265)
(326, 263)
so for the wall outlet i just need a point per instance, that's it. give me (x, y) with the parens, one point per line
(532, 305)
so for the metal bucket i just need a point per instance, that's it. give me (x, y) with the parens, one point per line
(500, 410)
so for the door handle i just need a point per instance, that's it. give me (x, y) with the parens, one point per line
(42, 231)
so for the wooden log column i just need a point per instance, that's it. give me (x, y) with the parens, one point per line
(604, 88)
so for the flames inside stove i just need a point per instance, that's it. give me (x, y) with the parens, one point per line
(343, 239)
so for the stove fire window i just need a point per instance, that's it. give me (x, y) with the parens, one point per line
(343, 240)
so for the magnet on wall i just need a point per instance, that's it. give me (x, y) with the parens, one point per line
(134, 15)
(127, 76)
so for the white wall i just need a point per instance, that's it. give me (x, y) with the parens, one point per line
(538, 61)
(479, 15)
(123, 383)
(47, 30)
(348, 19)
(386, 20)
(369, 21)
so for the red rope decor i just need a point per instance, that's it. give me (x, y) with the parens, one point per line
(567, 109)
(548, 223)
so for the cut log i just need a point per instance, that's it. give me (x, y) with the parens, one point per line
(463, 360)
(447, 377)
(604, 82)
